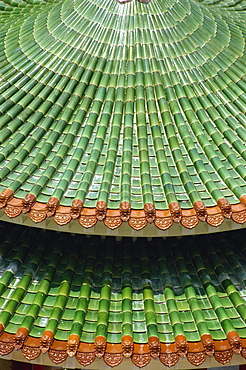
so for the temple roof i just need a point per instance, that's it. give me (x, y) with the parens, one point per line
(71, 295)
(123, 113)
(129, 115)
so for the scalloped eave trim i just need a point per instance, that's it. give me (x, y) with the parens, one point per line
(137, 219)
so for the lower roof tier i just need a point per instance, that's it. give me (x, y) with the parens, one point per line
(89, 297)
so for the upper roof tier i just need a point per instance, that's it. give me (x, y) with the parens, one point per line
(123, 112)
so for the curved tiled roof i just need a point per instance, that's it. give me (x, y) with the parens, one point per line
(123, 112)
(94, 298)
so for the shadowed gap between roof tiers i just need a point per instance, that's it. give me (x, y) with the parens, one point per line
(127, 114)
(73, 298)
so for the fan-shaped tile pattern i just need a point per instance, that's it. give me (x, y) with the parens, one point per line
(122, 107)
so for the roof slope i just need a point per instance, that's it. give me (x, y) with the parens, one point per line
(123, 112)
(146, 299)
